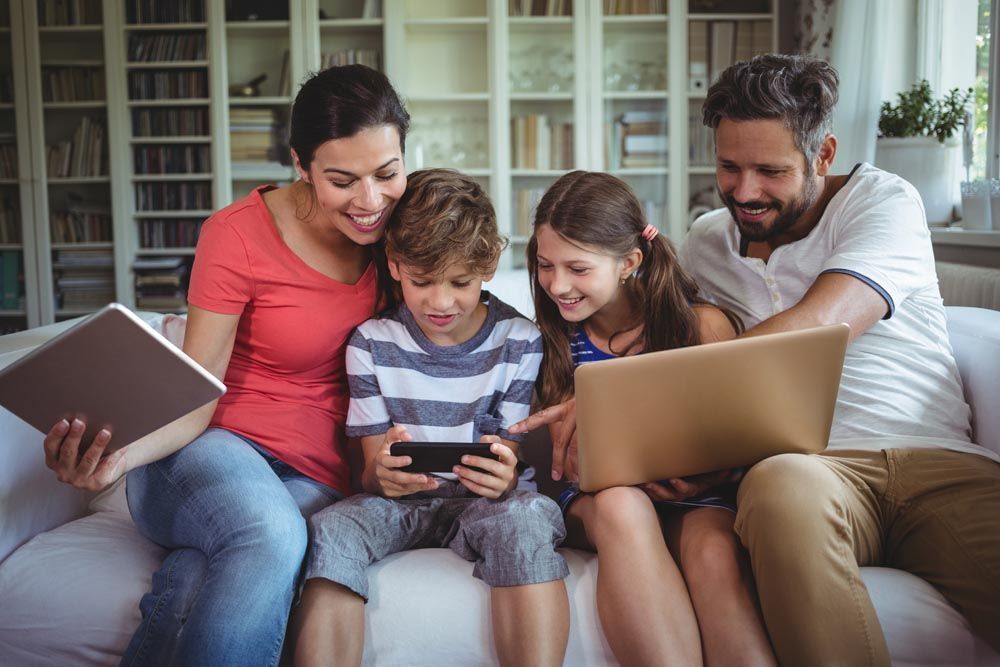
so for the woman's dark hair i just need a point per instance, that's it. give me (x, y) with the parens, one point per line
(340, 102)
(600, 211)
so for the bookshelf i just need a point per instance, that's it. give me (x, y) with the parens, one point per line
(513, 92)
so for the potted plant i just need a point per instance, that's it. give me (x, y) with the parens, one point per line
(918, 141)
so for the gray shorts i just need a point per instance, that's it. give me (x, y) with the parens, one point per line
(512, 540)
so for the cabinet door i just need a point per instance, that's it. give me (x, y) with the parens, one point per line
(720, 33)
(67, 81)
(630, 112)
(545, 69)
(257, 84)
(166, 67)
(18, 261)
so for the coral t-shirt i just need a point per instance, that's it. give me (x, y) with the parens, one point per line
(287, 382)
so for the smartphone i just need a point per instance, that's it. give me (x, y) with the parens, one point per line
(439, 456)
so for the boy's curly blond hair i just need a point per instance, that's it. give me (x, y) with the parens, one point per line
(444, 218)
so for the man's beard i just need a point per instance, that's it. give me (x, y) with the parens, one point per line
(788, 214)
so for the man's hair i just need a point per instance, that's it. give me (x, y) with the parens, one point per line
(444, 218)
(798, 90)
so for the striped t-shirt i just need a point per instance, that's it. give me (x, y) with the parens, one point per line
(440, 393)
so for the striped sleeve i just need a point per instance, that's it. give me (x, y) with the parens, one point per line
(367, 414)
(516, 403)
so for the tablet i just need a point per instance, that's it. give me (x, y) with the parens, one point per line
(112, 370)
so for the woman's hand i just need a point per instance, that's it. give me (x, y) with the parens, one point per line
(392, 481)
(494, 478)
(561, 419)
(93, 471)
(682, 488)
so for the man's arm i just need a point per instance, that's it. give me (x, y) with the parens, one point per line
(832, 299)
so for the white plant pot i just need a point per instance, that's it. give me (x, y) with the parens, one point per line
(933, 168)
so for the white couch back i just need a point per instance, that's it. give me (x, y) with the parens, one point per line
(33, 501)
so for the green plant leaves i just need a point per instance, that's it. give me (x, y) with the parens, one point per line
(918, 114)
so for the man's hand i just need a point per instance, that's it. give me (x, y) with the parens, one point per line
(561, 420)
(392, 481)
(682, 488)
(93, 471)
(497, 477)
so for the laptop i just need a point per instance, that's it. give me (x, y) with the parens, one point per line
(708, 407)
(111, 370)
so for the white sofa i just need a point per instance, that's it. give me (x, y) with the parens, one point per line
(72, 567)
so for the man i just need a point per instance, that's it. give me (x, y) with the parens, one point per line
(901, 484)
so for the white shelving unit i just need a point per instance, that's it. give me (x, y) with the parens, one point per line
(513, 100)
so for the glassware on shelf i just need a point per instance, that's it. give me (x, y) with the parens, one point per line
(613, 75)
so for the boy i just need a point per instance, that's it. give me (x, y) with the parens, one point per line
(450, 363)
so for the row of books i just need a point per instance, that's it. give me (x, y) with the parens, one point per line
(161, 282)
(6, 87)
(173, 196)
(540, 7)
(11, 280)
(84, 279)
(525, 202)
(183, 121)
(715, 45)
(173, 84)
(629, 7)
(638, 139)
(147, 47)
(8, 158)
(165, 11)
(83, 155)
(171, 159)
(72, 84)
(10, 218)
(69, 12)
(538, 142)
(370, 57)
(701, 140)
(169, 233)
(82, 223)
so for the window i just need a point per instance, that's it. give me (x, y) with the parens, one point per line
(986, 109)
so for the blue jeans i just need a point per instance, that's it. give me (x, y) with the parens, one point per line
(235, 518)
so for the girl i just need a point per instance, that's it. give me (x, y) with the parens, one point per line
(280, 280)
(605, 285)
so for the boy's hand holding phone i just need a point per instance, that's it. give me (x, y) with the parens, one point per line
(393, 482)
(493, 478)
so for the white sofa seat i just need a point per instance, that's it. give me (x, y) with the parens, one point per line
(70, 592)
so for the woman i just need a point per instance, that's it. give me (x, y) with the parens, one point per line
(280, 279)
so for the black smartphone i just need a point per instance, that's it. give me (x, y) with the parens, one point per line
(439, 456)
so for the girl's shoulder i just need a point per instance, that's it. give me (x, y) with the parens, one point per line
(713, 325)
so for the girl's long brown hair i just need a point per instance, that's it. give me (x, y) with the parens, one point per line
(597, 210)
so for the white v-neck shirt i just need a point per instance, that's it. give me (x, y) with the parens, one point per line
(900, 386)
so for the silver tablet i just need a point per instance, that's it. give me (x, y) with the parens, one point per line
(112, 370)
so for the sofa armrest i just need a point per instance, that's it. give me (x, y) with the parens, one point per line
(975, 338)
(32, 500)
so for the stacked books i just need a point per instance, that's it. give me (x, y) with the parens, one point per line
(251, 134)
(160, 283)
(525, 202)
(84, 279)
(639, 140)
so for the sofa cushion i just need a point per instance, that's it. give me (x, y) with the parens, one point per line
(70, 596)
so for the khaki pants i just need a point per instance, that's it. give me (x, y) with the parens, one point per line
(809, 522)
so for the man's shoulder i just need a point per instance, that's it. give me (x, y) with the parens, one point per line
(868, 181)
(710, 233)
